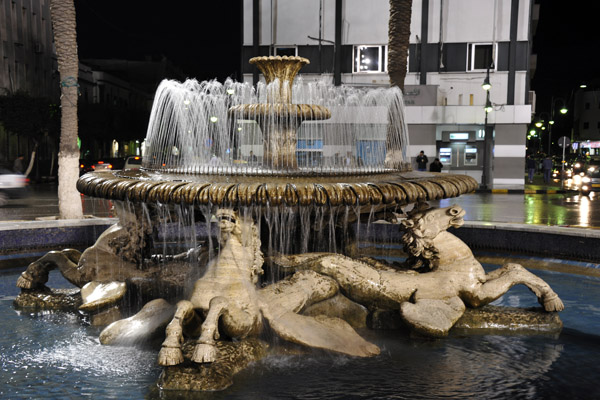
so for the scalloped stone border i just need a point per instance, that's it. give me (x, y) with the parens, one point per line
(385, 189)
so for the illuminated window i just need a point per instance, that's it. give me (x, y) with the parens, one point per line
(481, 56)
(369, 59)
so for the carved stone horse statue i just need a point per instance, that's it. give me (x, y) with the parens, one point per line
(227, 298)
(430, 302)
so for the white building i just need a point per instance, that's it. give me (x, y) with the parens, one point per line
(452, 44)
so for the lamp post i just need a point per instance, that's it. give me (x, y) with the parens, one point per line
(485, 176)
(563, 110)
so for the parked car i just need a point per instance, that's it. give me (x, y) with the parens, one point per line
(133, 162)
(12, 185)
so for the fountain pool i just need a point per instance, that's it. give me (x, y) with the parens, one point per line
(53, 355)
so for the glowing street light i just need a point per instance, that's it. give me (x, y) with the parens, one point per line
(486, 85)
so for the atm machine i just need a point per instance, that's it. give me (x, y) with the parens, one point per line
(460, 150)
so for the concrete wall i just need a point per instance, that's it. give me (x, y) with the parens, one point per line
(509, 155)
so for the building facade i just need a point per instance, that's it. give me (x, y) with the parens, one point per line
(454, 46)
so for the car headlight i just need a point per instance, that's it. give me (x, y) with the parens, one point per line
(591, 169)
(584, 188)
(577, 165)
(586, 179)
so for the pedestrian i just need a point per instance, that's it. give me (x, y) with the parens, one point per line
(252, 160)
(214, 161)
(436, 166)
(18, 165)
(530, 168)
(422, 161)
(547, 169)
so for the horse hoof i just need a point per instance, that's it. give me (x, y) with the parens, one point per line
(204, 353)
(169, 356)
(553, 303)
(25, 281)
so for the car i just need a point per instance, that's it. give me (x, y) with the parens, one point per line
(13, 185)
(588, 180)
(85, 166)
(133, 162)
(101, 165)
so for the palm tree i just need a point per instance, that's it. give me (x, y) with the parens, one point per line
(398, 36)
(62, 13)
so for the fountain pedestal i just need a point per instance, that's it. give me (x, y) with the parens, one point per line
(278, 118)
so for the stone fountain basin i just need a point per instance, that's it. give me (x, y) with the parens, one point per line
(385, 189)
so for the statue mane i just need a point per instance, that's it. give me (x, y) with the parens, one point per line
(420, 228)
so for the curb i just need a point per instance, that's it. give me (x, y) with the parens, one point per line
(525, 191)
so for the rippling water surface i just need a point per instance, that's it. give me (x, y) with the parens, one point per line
(56, 356)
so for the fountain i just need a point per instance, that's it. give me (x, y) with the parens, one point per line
(241, 217)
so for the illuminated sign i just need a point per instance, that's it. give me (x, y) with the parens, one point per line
(459, 136)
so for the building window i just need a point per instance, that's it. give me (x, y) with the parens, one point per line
(586, 125)
(481, 56)
(285, 51)
(369, 59)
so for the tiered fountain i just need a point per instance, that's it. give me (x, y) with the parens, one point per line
(326, 159)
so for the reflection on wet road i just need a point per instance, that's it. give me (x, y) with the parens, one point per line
(539, 209)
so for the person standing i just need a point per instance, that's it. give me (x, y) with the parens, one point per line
(18, 165)
(530, 168)
(436, 166)
(252, 159)
(547, 169)
(422, 161)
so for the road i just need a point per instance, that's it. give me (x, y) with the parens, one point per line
(42, 202)
(540, 209)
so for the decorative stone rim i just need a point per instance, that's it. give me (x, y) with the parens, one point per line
(381, 190)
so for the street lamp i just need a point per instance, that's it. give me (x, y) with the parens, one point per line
(487, 141)
(486, 85)
(563, 110)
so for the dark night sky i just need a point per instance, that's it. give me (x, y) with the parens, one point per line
(200, 37)
(203, 39)
(567, 44)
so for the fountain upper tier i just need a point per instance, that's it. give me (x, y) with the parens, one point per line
(314, 129)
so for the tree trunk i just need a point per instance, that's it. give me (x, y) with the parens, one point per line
(398, 36)
(63, 23)
(31, 161)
